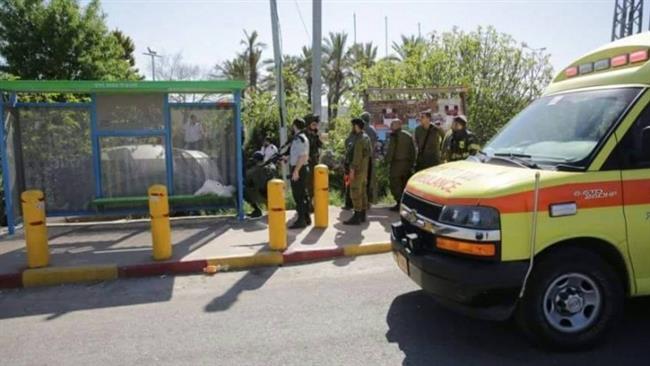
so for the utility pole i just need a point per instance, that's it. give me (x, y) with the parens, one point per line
(153, 55)
(386, 33)
(316, 59)
(279, 82)
(628, 18)
(419, 31)
(354, 17)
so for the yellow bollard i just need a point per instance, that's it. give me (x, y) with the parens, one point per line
(321, 196)
(160, 229)
(277, 215)
(33, 203)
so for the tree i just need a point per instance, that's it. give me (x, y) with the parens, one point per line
(172, 67)
(305, 62)
(58, 40)
(235, 69)
(253, 55)
(362, 57)
(336, 70)
(127, 45)
(407, 46)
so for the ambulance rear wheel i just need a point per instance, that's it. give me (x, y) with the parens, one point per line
(572, 299)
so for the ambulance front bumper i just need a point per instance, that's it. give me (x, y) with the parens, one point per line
(481, 289)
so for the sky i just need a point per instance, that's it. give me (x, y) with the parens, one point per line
(208, 32)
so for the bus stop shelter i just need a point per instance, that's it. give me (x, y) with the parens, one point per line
(94, 147)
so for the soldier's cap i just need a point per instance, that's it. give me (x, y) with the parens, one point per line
(258, 156)
(300, 123)
(358, 121)
(461, 119)
(312, 118)
(365, 116)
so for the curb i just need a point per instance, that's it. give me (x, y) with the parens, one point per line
(51, 276)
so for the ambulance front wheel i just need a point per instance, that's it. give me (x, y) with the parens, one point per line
(572, 300)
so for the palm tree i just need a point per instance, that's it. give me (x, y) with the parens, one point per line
(291, 74)
(235, 69)
(406, 47)
(363, 54)
(253, 56)
(336, 70)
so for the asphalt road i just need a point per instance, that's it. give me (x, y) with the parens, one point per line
(359, 311)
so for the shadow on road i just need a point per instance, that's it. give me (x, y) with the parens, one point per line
(252, 280)
(431, 335)
(56, 302)
(129, 243)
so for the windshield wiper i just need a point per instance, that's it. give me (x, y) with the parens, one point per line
(569, 168)
(519, 159)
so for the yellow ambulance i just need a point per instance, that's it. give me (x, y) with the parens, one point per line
(550, 223)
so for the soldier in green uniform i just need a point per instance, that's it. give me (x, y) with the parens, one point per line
(427, 140)
(358, 173)
(459, 142)
(255, 183)
(315, 145)
(400, 157)
(349, 143)
(372, 135)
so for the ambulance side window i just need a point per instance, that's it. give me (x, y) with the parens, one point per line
(633, 152)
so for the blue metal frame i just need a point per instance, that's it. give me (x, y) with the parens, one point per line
(240, 157)
(6, 177)
(130, 133)
(202, 105)
(97, 161)
(169, 152)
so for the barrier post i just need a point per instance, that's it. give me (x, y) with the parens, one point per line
(33, 204)
(160, 230)
(321, 196)
(277, 215)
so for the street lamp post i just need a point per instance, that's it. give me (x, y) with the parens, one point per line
(153, 54)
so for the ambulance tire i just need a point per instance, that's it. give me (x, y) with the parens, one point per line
(595, 300)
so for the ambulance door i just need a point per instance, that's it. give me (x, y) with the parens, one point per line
(634, 157)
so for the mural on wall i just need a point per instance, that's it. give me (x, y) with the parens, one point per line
(384, 105)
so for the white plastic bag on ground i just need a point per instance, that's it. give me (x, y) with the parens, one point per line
(214, 187)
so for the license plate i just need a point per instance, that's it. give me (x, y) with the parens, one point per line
(402, 262)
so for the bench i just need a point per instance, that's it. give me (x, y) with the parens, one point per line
(174, 201)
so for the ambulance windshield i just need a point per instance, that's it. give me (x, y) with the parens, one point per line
(563, 128)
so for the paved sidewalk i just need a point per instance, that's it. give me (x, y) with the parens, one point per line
(125, 243)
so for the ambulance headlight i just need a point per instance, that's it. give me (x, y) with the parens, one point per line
(474, 217)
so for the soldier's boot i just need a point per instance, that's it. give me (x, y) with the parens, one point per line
(308, 219)
(257, 212)
(354, 220)
(298, 224)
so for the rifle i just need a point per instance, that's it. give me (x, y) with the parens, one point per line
(282, 152)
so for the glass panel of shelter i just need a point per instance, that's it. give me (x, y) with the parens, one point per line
(203, 141)
(131, 129)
